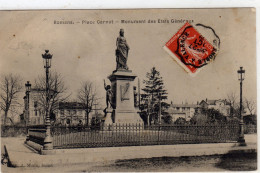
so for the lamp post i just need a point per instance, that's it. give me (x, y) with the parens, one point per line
(160, 109)
(48, 139)
(148, 112)
(28, 89)
(241, 139)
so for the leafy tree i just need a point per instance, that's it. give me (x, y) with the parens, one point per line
(214, 115)
(167, 119)
(199, 118)
(180, 120)
(154, 92)
(144, 116)
(250, 119)
(208, 116)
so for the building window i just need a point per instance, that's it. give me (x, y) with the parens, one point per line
(35, 104)
(68, 121)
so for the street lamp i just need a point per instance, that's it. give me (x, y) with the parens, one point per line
(241, 139)
(48, 139)
(160, 109)
(28, 89)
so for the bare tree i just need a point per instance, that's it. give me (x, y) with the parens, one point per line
(232, 99)
(10, 87)
(250, 105)
(56, 93)
(87, 95)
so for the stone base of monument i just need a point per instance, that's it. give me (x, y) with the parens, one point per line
(122, 83)
(108, 119)
(127, 117)
(124, 119)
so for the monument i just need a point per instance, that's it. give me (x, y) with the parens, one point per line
(120, 95)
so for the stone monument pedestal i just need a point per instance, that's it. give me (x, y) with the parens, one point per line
(123, 97)
(108, 119)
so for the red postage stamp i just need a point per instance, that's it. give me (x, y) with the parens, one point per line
(190, 49)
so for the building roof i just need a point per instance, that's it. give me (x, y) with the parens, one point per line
(170, 110)
(176, 112)
(38, 90)
(213, 102)
(185, 105)
(70, 105)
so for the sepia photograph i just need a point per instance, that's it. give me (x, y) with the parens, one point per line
(130, 90)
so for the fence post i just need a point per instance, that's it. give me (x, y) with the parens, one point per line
(27, 135)
(159, 134)
(139, 135)
(115, 138)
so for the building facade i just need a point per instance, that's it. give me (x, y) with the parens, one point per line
(186, 111)
(65, 113)
(72, 113)
(34, 112)
(222, 105)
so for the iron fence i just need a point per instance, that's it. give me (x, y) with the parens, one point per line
(13, 131)
(250, 128)
(138, 134)
(37, 133)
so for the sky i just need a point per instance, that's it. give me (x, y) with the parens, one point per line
(86, 52)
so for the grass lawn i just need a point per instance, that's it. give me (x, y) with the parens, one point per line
(227, 162)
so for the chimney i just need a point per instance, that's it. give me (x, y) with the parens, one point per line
(206, 100)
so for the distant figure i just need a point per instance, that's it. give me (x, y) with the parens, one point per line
(135, 97)
(113, 116)
(109, 95)
(121, 51)
(80, 125)
(68, 121)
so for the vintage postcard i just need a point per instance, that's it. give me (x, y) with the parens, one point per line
(148, 90)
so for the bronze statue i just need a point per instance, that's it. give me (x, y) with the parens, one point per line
(109, 102)
(121, 51)
(135, 97)
(109, 95)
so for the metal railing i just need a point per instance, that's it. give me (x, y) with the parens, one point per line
(13, 131)
(250, 128)
(138, 134)
(37, 134)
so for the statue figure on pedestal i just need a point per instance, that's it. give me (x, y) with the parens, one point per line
(120, 97)
(109, 102)
(121, 51)
(135, 97)
(109, 95)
